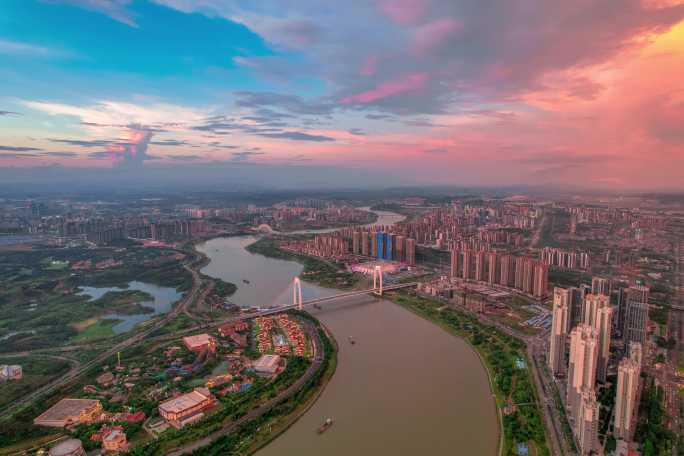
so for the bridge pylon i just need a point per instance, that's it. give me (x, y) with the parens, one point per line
(297, 294)
(377, 280)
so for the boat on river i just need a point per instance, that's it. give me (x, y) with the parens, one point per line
(325, 426)
(351, 340)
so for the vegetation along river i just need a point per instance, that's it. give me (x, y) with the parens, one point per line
(405, 388)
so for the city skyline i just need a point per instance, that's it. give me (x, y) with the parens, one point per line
(286, 94)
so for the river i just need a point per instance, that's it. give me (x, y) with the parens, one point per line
(405, 388)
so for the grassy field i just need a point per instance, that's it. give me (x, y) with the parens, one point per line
(40, 304)
(37, 371)
(101, 329)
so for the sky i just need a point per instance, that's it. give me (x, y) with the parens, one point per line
(586, 93)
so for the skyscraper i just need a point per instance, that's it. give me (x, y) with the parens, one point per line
(559, 331)
(604, 322)
(541, 280)
(356, 243)
(492, 267)
(636, 316)
(592, 303)
(506, 269)
(411, 251)
(519, 278)
(636, 353)
(576, 306)
(364, 243)
(581, 366)
(528, 275)
(455, 255)
(479, 265)
(599, 285)
(466, 264)
(625, 398)
(586, 427)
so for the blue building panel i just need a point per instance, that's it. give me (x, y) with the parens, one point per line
(381, 244)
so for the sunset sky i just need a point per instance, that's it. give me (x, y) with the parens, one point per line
(464, 92)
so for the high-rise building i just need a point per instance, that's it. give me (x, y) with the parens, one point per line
(626, 397)
(492, 269)
(604, 325)
(581, 365)
(479, 265)
(576, 306)
(528, 275)
(636, 317)
(541, 280)
(455, 255)
(592, 303)
(586, 427)
(506, 270)
(374, 245)
(356, 242)
(400, 249)
(519, 278)
(466, 264)
(364, 244)
(599, 285)
(636, 353)
(559, 331)
(411, 251)
(621, 311)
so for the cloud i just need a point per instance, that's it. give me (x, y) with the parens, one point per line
(84, 142)
(436, 150)
(60, 154)
(18, 149)
(244, 156)
(9, 113)
(13, 155)
(185, 157)
(297, 136)
(19, 48)
(115, 9)
(290, 103)
(408, 83)
(169, 142)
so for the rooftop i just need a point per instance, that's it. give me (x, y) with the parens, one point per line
(185, 401)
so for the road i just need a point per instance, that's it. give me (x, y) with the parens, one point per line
(80, 369)
(317, 359)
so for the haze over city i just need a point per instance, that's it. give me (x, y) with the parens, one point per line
(580, 94)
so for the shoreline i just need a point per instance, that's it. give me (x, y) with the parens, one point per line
(297, 414)
(483, 363)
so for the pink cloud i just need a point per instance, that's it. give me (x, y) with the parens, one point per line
(433, 35)
(404, 12)
(369, 67)
(408, 83)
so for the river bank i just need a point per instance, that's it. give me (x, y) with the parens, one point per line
(371, 396)
(506, 362)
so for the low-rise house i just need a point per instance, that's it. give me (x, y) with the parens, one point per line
(200, 342)
(267, 364)
(187, 408)
(114, 440)
(10, 372)
(70, 411)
